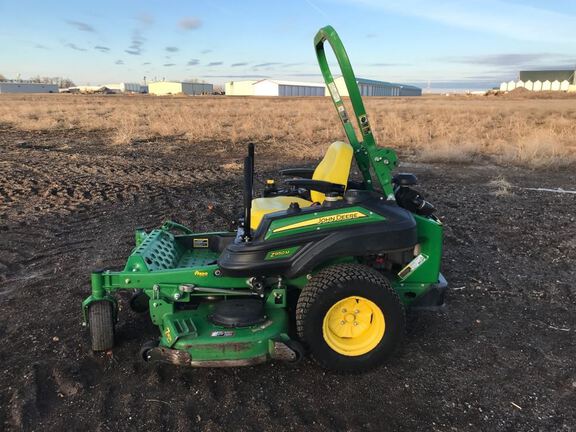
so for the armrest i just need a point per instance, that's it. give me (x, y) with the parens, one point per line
(317, 185)
(298, 172)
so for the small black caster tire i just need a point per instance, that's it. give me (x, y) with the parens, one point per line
(101, 325)
(145, 349)
(298, 349)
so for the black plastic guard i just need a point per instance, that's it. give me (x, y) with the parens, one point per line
(433, 299)
(397, 233)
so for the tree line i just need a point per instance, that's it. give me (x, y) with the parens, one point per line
(60, 81)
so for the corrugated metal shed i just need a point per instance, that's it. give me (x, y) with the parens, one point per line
(239, 88)
(370, 87)
(538, 85)
(548, 75)
(269, 87)
(126, 87)
(197, 88)
(300, 90)
(24, 87)
(161, 88)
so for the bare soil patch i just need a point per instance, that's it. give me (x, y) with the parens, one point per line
(500, 357)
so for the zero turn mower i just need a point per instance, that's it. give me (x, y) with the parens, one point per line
(325, 265)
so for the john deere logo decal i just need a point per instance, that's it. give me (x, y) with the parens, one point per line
(341, 217)
(200, 273)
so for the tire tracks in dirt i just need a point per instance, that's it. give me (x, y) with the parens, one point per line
(456, 369)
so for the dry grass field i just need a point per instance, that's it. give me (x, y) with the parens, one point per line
(509, 130)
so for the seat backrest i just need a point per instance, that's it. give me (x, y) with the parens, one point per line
(334, 168)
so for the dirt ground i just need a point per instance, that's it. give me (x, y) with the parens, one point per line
(500, 357)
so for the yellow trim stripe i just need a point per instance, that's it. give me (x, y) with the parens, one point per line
(322, 220)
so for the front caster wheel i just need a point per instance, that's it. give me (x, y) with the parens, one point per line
(298, 349)
(145, 350)
(101, 325)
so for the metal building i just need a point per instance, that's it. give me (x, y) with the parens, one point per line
(545, 80)
(239, 88)
(369, 87)
(269, 87)
(549, 75)
(26, 87)
(89, 89)
(161, 88)
(126, 87)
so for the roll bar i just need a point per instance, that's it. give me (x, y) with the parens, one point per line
(367, 154)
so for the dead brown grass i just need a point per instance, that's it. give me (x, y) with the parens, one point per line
(501, 187)
(534, 133)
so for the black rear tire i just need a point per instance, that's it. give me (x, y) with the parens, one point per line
(101, 325)
(337, 283)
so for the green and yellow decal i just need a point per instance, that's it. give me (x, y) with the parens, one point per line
(321, 220)
(168, 335)
(281, 253)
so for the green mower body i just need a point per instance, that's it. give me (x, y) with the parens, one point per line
(343, 270)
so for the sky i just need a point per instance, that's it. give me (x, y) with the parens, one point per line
(435, 44)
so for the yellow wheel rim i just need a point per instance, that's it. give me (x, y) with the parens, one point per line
(353, 326)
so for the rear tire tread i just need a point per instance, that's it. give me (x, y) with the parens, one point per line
(325, 280)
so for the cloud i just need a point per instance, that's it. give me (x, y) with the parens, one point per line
(206, 51)
(566, 65)
(40, 46)
(503, 17)
(371, 35)
(266, 64)
(238, 64)
(101, 48)
(513, 59)
(171, 49)
(119, 62)
(169, 64)
(317, 9)
(82, 26)
(388, 64)
(218, 63)
(305, 74)
(487, 77)
(74, 47)
(135, 47)
(145, 19)
(193, 62)
(474, 84)
(237, 76)
(190, 23)
(146, 63)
